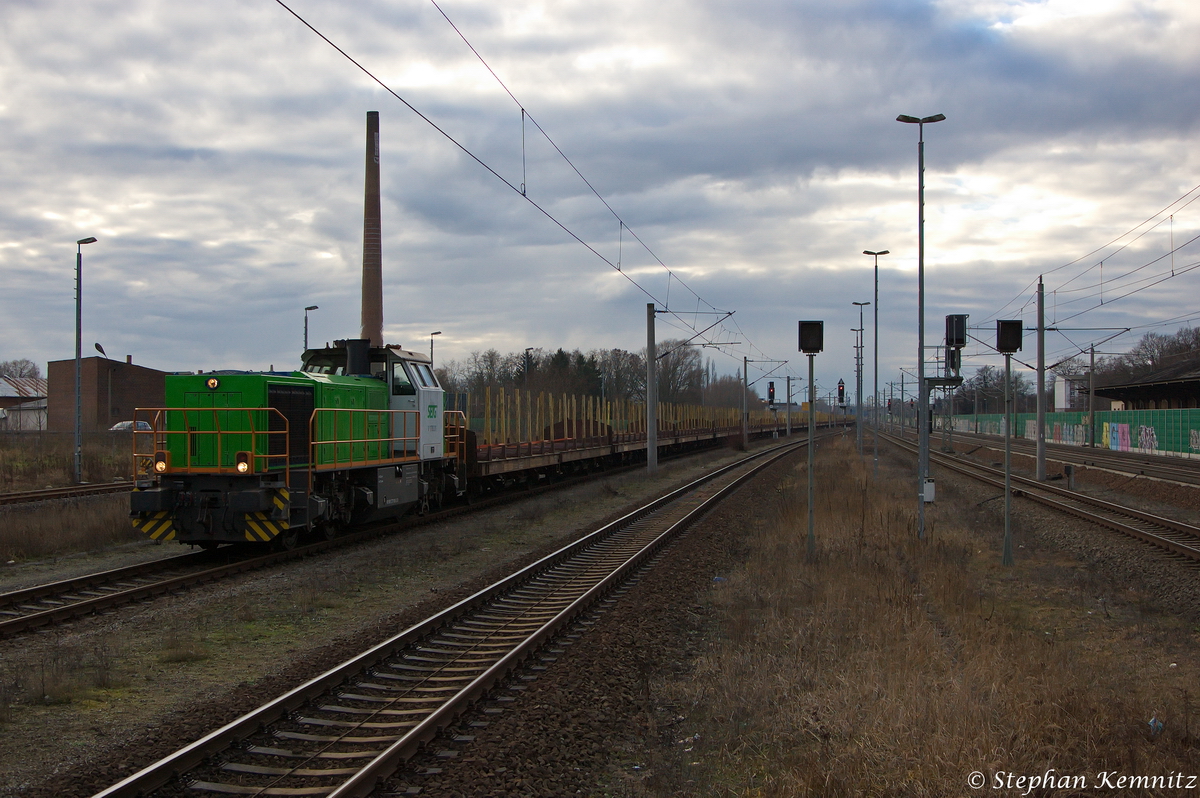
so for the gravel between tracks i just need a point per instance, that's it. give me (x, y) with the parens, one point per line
(1107, 563)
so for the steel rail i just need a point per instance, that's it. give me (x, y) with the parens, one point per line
(52, 595)
(491, 626)
(1169, 534)
(69, 492)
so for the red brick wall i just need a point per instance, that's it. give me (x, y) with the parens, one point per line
(110, 391)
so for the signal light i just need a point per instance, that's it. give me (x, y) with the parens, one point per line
(161, 462)
(1008, 335)
(242, 462)
(956, 330)
(812, 337)
(771, 393)
(841, 392)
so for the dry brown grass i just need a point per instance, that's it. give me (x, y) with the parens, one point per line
(885, 667)
(54, 528)
(62, 674)
(33, 460)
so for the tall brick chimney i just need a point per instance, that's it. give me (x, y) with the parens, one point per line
(372, 276)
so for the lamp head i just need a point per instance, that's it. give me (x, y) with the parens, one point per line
(439, 332)
(880, 252)
(311, 307)
(912, 120)
(88, 240)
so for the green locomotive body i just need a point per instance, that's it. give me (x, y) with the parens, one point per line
(261, 457)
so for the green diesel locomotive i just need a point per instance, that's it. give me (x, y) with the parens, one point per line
(359, 433)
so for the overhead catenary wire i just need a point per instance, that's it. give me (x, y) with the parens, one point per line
(522, 189)
(554, 144)
(1183, 201)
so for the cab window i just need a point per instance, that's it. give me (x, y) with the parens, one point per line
(401, 384)
(427, 378)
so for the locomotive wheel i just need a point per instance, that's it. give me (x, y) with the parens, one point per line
(288, 540)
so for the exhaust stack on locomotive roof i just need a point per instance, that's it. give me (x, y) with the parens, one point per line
(372, 278)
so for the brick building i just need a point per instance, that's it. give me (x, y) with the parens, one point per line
(110, 391)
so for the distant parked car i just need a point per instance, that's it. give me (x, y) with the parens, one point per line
(127, 426)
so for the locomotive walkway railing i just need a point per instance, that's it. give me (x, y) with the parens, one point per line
(208, 440)
(350, 437)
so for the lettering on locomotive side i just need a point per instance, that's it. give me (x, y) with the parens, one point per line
(431, 412)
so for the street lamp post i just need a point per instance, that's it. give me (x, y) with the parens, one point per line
(862, 339)
(439, 332)
(875, 415)
(922, 387)
(306, 310)
(79, 355)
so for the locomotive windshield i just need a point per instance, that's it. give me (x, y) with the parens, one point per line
(425, 375)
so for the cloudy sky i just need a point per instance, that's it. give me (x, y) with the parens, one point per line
(216, 151)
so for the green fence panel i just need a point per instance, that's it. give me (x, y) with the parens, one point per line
(1174, 432)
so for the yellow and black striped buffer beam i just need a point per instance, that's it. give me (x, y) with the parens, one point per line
(260, 528)
(157, 525)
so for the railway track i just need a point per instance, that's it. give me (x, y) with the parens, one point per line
(58, 602)
(69, 492)
(342, 732)
(41, 605)
(1173, 536)
(1182, 471)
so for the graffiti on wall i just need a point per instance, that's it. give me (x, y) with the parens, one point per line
(1147, 438)
(1119, 438)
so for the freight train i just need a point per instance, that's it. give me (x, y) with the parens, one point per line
(358, 434)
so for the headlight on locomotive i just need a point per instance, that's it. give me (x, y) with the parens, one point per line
(242, 462)
(161, 462)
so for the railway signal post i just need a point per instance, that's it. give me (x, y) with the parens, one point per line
(812, 335)
(1008, 340)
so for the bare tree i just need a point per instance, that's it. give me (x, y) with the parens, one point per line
(19, 368)
(680, 372)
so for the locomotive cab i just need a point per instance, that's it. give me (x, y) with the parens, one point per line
(412, 386)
